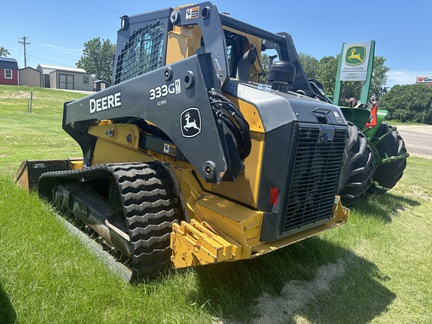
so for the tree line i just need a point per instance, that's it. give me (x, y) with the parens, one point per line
(409, 103)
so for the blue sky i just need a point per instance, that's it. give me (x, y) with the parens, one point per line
(57, 29)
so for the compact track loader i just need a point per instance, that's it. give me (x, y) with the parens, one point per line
(187, 158)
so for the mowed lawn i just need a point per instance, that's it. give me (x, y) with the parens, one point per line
(376, 268)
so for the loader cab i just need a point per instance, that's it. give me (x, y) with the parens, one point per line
(251, 52)
(150, 41)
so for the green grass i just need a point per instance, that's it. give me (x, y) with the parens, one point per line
(36, 135)
(376, 268)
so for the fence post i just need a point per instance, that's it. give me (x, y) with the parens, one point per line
(31, 102)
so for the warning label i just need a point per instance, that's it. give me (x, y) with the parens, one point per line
(169, 149)
(192, 13)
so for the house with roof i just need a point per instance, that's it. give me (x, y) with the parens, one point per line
(30, 77)
(60, 77)
(9, 71)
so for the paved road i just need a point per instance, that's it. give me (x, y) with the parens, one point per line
(418, 139)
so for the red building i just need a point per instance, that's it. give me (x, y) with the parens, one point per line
(8, 71)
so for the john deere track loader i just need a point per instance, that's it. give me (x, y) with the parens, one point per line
(189, 160)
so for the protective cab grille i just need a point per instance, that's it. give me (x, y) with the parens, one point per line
(142, 53)
(315, 176)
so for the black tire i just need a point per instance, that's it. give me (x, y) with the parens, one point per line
(150, 207)
(392, 145)
(357, 167)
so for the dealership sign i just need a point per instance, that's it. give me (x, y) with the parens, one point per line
(424, 79)
(354, 61)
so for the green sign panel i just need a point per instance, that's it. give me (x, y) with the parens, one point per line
(355, 64)
(355, 55)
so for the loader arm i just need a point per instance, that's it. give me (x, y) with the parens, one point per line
(175, 99)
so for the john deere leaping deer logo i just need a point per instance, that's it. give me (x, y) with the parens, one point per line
(190, 121)
(355, 55)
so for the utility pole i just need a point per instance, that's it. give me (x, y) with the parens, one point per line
(24, 43)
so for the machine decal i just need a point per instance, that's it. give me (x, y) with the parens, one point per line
(190, 121)
(338, 118)
(169, 149)
(357, 55)
(165, 90)
(192, 13)
(104, 103)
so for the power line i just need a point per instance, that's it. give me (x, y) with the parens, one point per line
(25, 54)
(95, 4)
(62, 64)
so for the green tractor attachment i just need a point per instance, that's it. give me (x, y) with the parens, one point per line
(375, 153)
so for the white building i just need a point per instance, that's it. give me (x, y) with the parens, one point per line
(30, 77)
(60, 77)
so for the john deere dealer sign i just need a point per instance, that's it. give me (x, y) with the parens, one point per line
(355, 59)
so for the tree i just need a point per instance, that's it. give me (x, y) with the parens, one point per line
(379, 77)
(310, 65)
(412, 103)
(327, 71)
(3, 52)
(265, 62)
(97, 58)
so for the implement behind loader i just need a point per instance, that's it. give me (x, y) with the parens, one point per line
(187, 158)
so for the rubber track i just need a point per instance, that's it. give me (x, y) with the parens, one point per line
(150, 207)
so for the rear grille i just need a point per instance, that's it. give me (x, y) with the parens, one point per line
(315, 177)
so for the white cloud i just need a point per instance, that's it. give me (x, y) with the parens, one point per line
(49, 45)
(64, 49)
(404, 77)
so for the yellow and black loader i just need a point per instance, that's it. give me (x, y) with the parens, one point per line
(191, 157)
